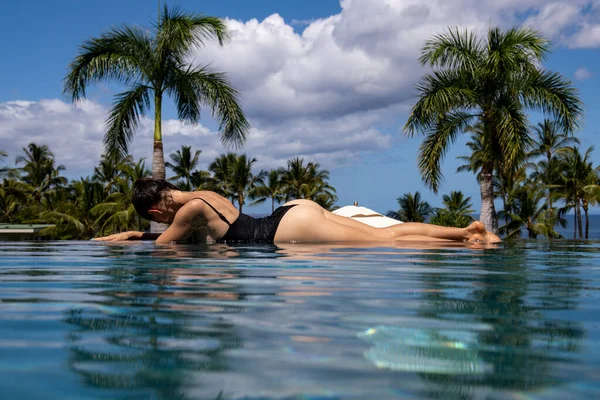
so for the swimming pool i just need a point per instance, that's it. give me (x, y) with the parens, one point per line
(85, 320)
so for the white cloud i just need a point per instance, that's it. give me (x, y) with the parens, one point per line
(553, 18)
(587, 37)
(74, 134)
(582, 74)
(365, 57)
(575, 24)
(323, 93)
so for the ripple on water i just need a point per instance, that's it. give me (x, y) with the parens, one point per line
(90, 320)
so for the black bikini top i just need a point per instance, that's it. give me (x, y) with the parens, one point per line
(249, 229)
(215, 210)
(241, 229)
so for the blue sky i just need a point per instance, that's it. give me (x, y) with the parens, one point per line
(326, 80)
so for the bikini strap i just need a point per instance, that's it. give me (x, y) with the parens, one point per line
(215, 210)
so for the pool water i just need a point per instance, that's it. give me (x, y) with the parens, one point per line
(87, 320)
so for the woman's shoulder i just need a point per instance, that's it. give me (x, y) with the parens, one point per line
(215, 201)
(205, 193)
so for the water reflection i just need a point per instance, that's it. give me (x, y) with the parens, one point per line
(343, 321)
(154, 324)
(510, 337)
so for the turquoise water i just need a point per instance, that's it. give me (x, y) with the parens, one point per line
(86, 320)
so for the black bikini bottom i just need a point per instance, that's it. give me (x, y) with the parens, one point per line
(255, 230)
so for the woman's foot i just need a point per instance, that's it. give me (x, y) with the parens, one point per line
(476, 233)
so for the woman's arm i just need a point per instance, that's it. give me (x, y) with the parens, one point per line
(186, 221)
(130, 235)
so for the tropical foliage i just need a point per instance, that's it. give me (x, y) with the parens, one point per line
(456, 212)
(487, 84)
(537, 196)
(183, 166)
(34, 191)
(412, 208)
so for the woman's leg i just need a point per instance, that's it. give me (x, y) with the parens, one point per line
(405, 231)
(309, 222)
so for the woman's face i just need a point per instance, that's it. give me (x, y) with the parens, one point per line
(162, 213)
(163, 218)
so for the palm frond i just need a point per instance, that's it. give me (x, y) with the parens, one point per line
(123, 119)
(549, 92)
(514, 50)
(122, 54)
(180, 85)
(452, 49)
(178, 32)
(215, 91)
(512, 131)
(435, 145)
(440, 93)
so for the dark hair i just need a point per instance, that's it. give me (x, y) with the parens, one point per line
(147, 193)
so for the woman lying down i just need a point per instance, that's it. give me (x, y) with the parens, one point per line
(208, 216)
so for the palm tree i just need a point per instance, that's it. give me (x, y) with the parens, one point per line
(324, 195)
(202, 180)
(591, 197)
(591, 192)
(527, 211)
(412, 209)
(221, 169)
(316, 187)
(108, 171)
(243, 182)
(576, 174)
(184, 164)
(273, 189)
(135, 170)
(294, 178)
(155, 62)
(72, 218)
(116, 212)
(547, 142)
(12, 200)
(3, 170)
(479, 155)
(457, 203)
(492, 81)
(547, 175)
(40, 173)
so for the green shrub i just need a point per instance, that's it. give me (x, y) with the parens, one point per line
(444, 217)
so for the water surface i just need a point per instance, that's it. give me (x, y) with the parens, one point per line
(86, 320)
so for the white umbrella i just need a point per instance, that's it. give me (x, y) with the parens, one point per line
(366, 216)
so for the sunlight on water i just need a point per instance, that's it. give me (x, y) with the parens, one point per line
(419, 350)
(84, 320)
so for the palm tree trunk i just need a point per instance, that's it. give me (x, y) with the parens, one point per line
(488, 210)
(587, 218)
(272, 204)
(158, 157)
(575, 222)
(549, 201)
(240, 200)
(579, 225)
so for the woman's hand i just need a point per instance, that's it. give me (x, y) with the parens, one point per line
(119, 237)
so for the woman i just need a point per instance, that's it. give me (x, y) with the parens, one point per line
(207, 216)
